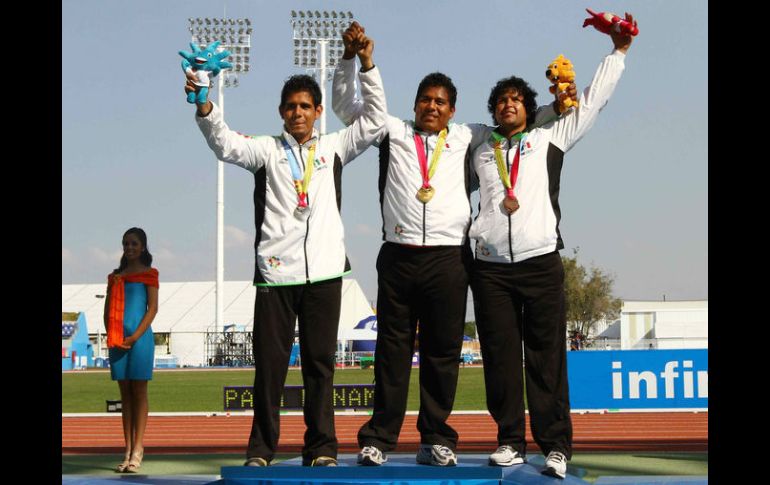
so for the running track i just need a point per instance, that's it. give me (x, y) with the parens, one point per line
(624, 432)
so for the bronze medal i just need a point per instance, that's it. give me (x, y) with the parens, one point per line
(511, 205)
(425, 194)
(301, 212)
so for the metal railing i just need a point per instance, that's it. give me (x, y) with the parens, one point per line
(644, 344)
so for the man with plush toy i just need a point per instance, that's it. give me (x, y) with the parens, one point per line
(300, 250)
(518, 278)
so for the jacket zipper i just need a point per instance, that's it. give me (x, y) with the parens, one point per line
(424, 206)
(307, 223)
(510, 233)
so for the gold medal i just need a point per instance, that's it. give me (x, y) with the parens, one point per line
(425, 194)
(511, 205)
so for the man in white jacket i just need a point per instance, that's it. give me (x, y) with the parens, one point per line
(299, 248)
(518, 278)
(423, 265)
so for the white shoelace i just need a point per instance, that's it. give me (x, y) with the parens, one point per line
(445, 451)
(557, 457)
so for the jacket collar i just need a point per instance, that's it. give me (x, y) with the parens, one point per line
(428, 133)
(293, 143)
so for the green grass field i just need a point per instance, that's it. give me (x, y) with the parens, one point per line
(201, 390)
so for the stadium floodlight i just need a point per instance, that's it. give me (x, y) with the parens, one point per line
(320, 44)
(235, 40)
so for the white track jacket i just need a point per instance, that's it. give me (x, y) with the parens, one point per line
(533, 229)
(445, 219)
(292, 250)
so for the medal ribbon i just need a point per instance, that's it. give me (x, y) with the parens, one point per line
(509, 181)
(301, 182)
(427, 173)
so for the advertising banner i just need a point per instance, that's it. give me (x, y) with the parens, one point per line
(638, 379)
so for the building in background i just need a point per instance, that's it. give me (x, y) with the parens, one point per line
(664, 324)
(76, 350)
(655, 325)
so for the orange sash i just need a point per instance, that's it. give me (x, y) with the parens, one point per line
(117, 289)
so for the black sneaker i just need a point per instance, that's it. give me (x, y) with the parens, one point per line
(436, 455)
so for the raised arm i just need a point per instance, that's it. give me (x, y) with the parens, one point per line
(566, 131)
(346, 103)
(549, 112)
(369, 121)
(230, 146)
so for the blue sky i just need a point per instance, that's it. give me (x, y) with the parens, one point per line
(633, 191)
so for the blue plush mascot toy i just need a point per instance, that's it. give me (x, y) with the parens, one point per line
(200, 63)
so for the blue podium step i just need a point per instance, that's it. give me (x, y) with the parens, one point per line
(654, 480)
(400, 469)
(139, 479)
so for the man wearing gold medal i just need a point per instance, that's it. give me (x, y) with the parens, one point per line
(423, 264)
(300, 250)
(518, 278)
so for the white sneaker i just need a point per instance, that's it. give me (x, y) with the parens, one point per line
(371, 456)
(506, 456)
(556, 464)
(437, 455)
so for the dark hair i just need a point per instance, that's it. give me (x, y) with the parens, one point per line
(521, 87)
(301, 82)
(440, 80)
(145, 257)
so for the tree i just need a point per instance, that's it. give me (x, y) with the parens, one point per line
(470, 329)
(589, 295)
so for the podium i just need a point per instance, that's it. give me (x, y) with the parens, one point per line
(401, 469)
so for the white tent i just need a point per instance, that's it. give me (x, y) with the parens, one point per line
(186, 312)
(357, 319)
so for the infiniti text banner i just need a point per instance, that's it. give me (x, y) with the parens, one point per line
(638, 379)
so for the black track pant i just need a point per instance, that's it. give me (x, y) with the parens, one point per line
(525, 302)
(275, 311)
(429, 285)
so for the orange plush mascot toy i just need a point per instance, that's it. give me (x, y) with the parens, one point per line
(561, 73)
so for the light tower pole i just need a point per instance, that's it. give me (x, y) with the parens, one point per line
(234, 35)
(318, 45)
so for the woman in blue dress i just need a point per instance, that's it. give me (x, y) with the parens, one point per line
(130, 307)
